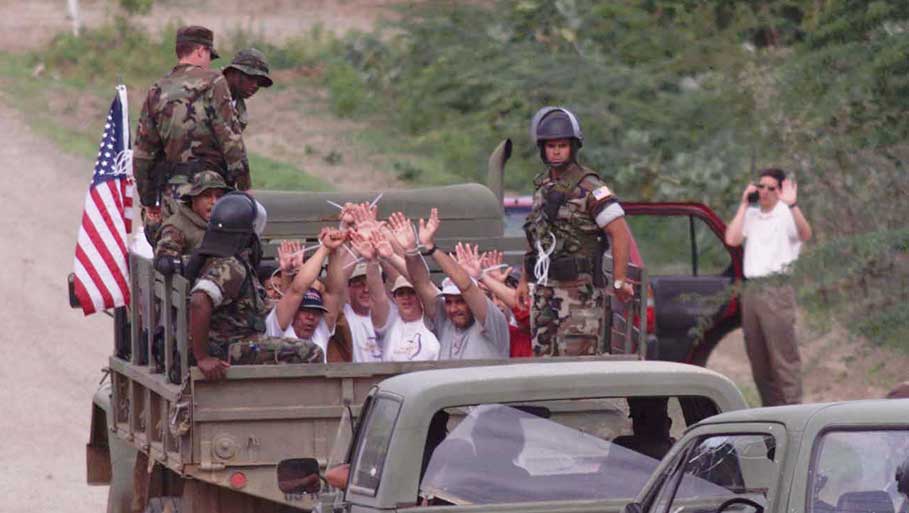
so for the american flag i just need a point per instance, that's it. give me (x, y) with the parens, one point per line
(101, 264)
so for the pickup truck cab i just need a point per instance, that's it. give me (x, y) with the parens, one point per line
(815, 458)
(509, 438)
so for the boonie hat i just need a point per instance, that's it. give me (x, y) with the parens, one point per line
(401, 283)
(253, 63)
(204, 181)
(312, 299)
(199, 35)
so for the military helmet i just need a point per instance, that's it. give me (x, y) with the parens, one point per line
(555, 123)
(253, 63)
(202, 182)
(231, 227)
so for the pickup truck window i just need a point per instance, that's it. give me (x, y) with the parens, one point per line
(548, 450)
(369, 455)
(855, 471)
(679, 245)
(722, 472)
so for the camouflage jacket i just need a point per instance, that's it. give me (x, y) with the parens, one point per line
(187, 116)
(181, 233)
(242, 116)
(238, 299)
(566, 207)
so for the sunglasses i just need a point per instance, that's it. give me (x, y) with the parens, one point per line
(770, 188)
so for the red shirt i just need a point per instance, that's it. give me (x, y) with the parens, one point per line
(520, 334)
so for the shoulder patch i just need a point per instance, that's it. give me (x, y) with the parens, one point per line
(600, 193)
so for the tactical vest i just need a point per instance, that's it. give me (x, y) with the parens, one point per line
(246, 314)
(559, 216)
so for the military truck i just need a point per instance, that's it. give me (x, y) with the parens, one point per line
(553, 436)
(816, 458)
(191, 430)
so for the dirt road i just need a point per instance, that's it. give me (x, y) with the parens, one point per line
(53, 354)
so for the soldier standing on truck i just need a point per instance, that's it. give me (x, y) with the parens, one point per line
(245, 74)
(573, 213)
(188, 124)
(227, 301)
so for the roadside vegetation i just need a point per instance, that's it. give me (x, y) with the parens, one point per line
(679, 100)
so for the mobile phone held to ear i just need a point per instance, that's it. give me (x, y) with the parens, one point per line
(753, 197)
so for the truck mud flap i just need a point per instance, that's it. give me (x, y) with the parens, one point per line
(97, 450)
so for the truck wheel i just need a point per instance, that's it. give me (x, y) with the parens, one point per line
(164, 505)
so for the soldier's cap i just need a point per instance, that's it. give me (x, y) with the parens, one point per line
(204, 181)
(401, 283)
(253, 63)
(312, 300)
(359, 270)
(199, 35)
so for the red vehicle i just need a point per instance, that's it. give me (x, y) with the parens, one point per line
(690, 269)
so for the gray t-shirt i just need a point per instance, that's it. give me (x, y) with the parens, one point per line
(489, 340)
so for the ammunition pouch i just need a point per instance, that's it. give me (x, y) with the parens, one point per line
(569, 267)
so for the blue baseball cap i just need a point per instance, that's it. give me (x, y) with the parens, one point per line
(312, 299)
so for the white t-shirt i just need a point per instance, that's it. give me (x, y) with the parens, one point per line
(771, 240)
(366, 346)
(320, 336)
(404, 341)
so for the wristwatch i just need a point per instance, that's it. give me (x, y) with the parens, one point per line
(428, 251)
(618, 284)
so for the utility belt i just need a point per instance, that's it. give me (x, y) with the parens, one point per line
(569, 267)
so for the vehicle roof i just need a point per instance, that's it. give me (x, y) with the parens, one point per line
(797, 417)
(554, 380)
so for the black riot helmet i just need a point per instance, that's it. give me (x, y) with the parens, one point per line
(550, 123)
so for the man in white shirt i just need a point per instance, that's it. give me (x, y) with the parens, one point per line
(772, 229)
(303, 312)
(365, 344)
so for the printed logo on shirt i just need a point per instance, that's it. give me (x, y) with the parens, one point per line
(371, 347)
(408, 349)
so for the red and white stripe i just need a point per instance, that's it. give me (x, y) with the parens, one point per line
(101, 264)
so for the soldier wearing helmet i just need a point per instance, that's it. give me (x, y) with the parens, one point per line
(228, 304)
(182, 232)
(245, 74)
(573, 213)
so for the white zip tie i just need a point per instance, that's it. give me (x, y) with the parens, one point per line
(541, 267)
(483, 272)
(332, 203)
(376, 201)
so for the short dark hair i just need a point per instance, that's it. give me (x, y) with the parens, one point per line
(185, 48)
(773, 172)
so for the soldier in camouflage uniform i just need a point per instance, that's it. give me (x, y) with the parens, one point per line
(573, 212)
(245, 74)
(182, 232)
(227, 301)
(187, 124)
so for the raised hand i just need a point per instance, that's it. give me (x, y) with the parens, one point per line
(492, 266)
(391, 239)
(383, 247)
(789, 192)
(347, 216)
(332, 239)
(429, 228)
(362, 246)
(290, 256)
(403, 231)
(469, 258)
(365, 219)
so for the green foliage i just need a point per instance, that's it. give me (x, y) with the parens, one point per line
(137, 6)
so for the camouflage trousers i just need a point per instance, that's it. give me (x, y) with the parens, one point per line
(272, 351)
(568, 319)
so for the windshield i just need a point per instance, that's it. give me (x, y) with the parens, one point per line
(738, 471)
(548, 450)
(372, 447)
(856, 471)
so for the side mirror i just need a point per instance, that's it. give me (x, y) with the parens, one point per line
(299, 475)
(633, 507)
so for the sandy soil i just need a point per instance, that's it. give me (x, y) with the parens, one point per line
(54, 354)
